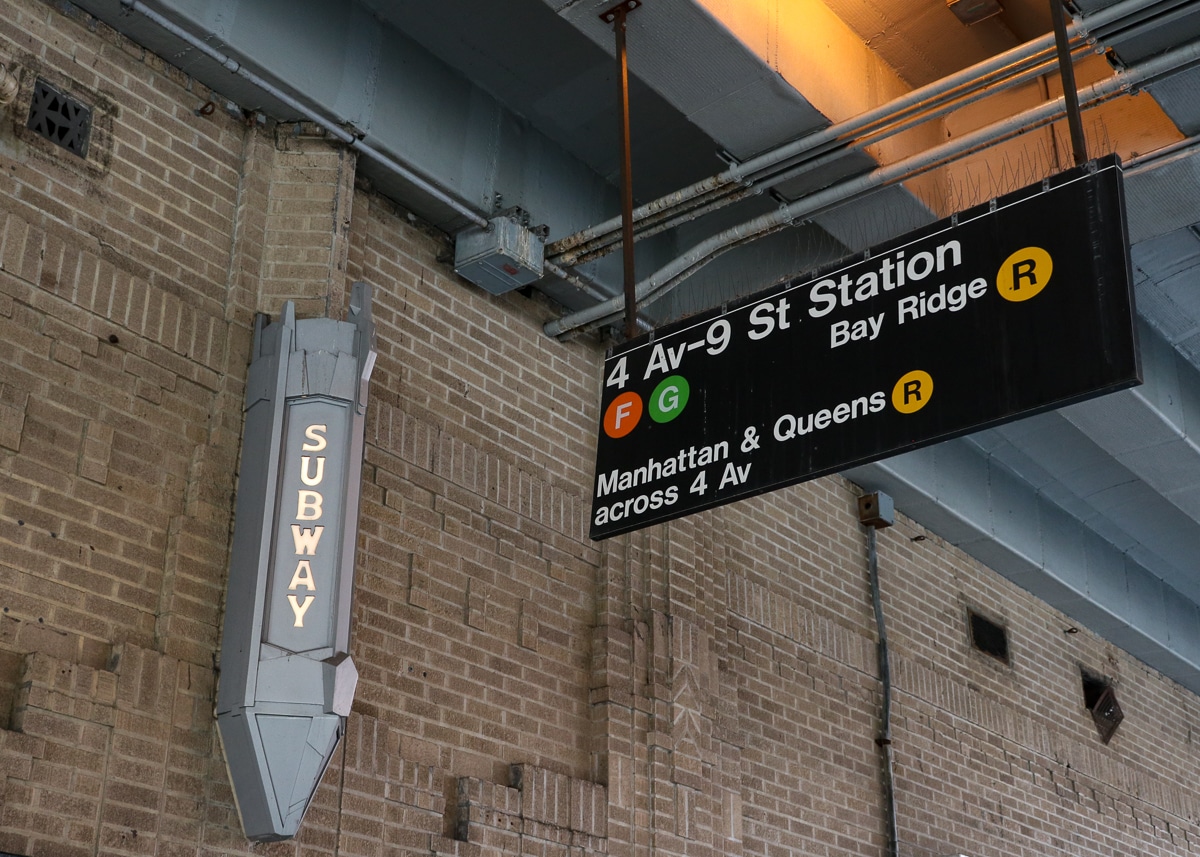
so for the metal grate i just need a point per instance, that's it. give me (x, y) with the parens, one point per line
(60, 118)
(1107, 714)
(989, 637)
(1101, 701)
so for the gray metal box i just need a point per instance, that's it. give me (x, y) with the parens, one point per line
(876, 510)
(504, 256)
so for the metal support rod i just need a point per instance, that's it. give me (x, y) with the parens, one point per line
(992, 75)
(616, 16)
(931, 101)
(669, 276)
(1066, 69)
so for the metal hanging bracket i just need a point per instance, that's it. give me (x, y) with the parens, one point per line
(616, 16)
(1066, 71)
(622, 9)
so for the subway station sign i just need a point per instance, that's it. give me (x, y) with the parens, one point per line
(1014, 307)
(287, 680)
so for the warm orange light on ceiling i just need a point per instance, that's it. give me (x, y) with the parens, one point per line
(848, 56)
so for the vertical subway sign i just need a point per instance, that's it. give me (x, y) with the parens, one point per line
(287, 680)
(310, 527)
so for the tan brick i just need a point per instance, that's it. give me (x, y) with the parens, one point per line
(703, 688)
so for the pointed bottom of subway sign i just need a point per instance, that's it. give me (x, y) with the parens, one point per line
(287, 681)
(277, 750)
(288, 754)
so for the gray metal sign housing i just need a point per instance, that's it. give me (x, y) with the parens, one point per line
(287, 680)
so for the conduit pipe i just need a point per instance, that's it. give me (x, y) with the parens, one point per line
(821, 154)
(885, 680)
(1003, 70)
(588, 288)
(303, 110)
(819, 157)
(680, 268)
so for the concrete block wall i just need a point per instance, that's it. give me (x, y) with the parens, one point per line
(703, 687)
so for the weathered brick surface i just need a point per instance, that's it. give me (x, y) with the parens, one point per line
(704, 687)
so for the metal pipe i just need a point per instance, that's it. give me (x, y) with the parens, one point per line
(885, 682)
(1185, 148)
(680, 268)
(589, 288)
(329, 125)
(925, 98)
(793, 158)
(818, 158)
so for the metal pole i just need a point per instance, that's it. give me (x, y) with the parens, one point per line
(885, 679)
(670, 275)
(1066, 69)
(616, 16)
(927, 101)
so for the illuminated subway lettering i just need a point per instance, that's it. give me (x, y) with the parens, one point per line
(308, 505)
(316, 438)
(300, 607)
(306, 539)
(303, 576)
(306, 465)
(308, 508)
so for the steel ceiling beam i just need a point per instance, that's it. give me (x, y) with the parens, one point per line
(1103, 525)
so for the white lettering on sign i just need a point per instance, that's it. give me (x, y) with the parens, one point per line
(306, 539)
(308, 505)
(308, 508)
(767, 316)
(315, 435)
(892, 272)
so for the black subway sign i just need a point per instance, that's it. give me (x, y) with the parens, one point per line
(1014, 307)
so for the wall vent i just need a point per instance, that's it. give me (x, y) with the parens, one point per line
(1101, 700)
(987, 636)
(59, 118)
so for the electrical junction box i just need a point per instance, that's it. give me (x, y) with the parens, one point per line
(504, 256)
(876, 510)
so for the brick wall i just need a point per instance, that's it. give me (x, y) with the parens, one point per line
(704, 687)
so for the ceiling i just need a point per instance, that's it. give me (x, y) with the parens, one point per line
(463, 108)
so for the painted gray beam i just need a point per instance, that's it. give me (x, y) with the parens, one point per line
(357, 71)
(1094, 508)
(977, 504)
(1160, 196)
(1153, 430)
(706, 72)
